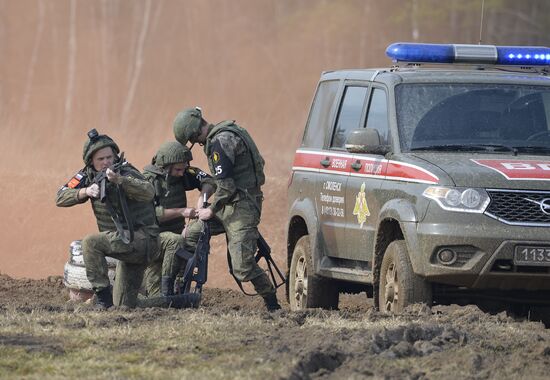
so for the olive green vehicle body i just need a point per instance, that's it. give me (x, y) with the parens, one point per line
(324, 200)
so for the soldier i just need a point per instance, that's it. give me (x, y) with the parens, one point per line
(237, 166)
(171, 176)
(125, 217)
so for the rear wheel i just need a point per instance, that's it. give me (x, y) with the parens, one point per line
(307, 290)
(399, 285)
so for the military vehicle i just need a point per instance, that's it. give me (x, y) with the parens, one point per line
(426, 182)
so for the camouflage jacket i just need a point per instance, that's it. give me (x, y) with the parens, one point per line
(235, 162)
(170, 192)
(139, 193)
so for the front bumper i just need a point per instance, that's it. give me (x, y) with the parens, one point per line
(484, 247)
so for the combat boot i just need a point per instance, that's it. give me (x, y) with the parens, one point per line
(104, 298)
(166, 286)
(271, 302)
(265, 288)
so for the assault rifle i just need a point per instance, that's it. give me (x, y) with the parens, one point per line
(264, 250)
(101, 177)
(127, 236)
(196, 270)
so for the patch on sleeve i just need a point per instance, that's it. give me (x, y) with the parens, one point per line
(215, 157)
(223, 167)
(201, 175)
(75, 181)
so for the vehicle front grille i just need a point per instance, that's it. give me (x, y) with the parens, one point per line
(520, 207)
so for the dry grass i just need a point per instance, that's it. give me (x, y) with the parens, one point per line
(231, 337)
(133, 344)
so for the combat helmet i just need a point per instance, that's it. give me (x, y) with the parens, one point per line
(187, 124)
(171, 152)
(96, 142)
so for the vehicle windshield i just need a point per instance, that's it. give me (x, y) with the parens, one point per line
(473, 117)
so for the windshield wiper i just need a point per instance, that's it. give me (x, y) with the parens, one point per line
(468, 148)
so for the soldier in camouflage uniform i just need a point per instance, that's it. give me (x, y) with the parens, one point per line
(100, 154)
(237, 166)
(171, 176)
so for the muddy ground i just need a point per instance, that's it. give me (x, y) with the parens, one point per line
(230, 336)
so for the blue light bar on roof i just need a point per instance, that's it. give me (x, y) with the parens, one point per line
(480, 54)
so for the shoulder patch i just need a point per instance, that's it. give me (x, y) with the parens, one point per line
(215, 157)
(75, 181)
(192, 171)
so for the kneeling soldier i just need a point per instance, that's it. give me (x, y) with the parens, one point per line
(122, 203)
(171, 176)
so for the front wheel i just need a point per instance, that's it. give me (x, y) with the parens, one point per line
(399, 285)
(306, 289)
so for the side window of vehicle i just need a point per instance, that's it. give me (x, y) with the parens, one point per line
(319, 117)
(377, 117)
(349, 117)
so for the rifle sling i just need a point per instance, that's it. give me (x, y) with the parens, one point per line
(125, 214)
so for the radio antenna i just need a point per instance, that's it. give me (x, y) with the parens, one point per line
(481, 22)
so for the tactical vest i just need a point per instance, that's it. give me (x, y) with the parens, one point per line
(169, 193)
(248, 169)
(142, 213)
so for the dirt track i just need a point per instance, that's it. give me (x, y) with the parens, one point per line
(353, 342)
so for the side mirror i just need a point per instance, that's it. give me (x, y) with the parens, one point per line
(365, 140)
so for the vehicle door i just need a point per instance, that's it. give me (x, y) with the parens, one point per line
(363, 191)
(336, 165)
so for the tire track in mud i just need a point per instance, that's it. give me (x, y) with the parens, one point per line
(353, 342)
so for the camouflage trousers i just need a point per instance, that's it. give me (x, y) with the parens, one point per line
(239, 221)
(165, 264)
(133, 258)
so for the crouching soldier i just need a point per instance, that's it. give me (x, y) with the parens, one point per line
(171, 176)
(121, 200)
(238, 168)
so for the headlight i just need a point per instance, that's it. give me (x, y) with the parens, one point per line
(458, 199)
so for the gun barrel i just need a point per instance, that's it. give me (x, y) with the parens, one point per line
(263, 247)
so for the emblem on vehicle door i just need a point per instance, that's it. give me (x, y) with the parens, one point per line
(361, 209)
(544, 204)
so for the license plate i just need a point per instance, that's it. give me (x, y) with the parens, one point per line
(531, 255)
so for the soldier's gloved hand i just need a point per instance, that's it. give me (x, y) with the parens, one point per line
(113, 177)
(92, 191)
(189, 212)
(205, 213)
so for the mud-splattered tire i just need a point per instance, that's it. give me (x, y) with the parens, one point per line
(307, 290)
(75, 279)
(399, 285)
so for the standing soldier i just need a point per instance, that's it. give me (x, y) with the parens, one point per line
(171, 176)
(237, 166)
(122, 204)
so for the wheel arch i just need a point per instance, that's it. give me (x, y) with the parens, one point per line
(302, 221)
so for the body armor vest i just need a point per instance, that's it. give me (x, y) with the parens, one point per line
(248, 169)
(142, 213)
(169, 193)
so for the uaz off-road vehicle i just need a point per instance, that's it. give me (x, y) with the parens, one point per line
(426, 182)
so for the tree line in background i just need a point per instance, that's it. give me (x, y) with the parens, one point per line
(505, 22)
